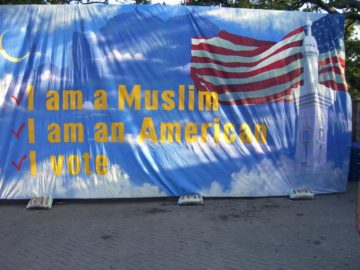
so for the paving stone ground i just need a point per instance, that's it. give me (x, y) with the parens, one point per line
(262, 233)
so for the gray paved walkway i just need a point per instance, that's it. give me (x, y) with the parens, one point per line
(267, 233)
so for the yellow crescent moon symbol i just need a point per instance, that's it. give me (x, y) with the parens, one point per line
(8, 56)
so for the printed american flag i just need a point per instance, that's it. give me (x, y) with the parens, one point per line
(244, 70)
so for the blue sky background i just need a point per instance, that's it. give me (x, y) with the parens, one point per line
(91, 47)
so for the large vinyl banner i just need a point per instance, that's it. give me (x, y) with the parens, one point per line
(149, 101)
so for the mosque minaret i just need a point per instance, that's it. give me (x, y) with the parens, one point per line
(313, 108)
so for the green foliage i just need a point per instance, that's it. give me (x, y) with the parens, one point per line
(353, 67)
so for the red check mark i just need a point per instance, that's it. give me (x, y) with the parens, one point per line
(17, 132)
(18, 165)
(18, 99)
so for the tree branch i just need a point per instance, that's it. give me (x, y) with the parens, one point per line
(339, 4)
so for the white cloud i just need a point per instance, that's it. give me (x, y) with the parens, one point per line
(121, 56)
(133, 140)
(277, 177)
(115, 184)
(5, 82)
(260, 20)
(263, 180)
(117, 55)
(8, 88)
(138, 56)
(95, 37)
(88, 105)
(27, 186)
(183, 68)
(47, 75)
(4, 87)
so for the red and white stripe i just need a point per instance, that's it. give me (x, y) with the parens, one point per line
(332, 70)
(249, 71)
